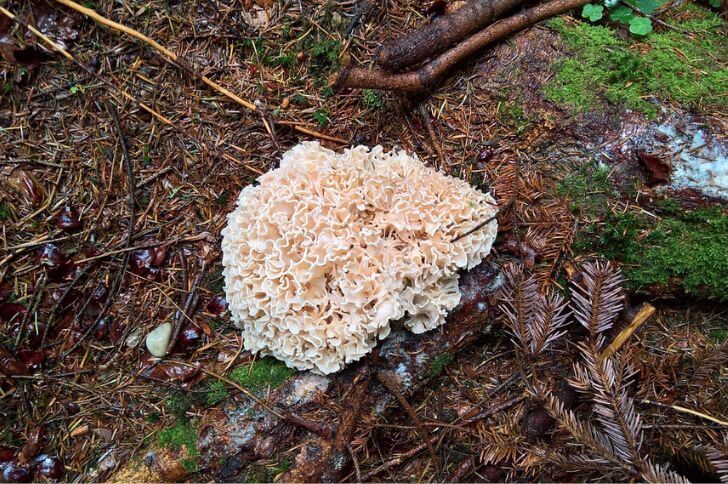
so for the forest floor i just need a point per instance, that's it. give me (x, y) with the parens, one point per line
(595, 134)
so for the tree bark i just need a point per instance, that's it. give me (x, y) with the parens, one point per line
(425, 78)
(444, 31)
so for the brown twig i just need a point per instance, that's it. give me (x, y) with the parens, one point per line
(462, 470)
(493, 409)
(171, 56)
(444, 31)
(427, 120)
(184, 313)
(486, 221)
(425, 78)
(429, 442)
(645, 312)
(389, 381)
(32, 307)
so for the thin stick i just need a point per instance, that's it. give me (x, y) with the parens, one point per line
(282, 414)
(116, 284)
(316, 134)
(398, 460)
(171, 56)
(645, 312)
(32, 307)
(688, 411)
(90, 71)
(183, 313)
(486, 221)
(191, 238)
(56, 47)
(389, 381)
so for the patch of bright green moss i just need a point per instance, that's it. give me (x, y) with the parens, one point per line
(190, 465)
(261, 374)
(690, 249)
(179, 403)
(439, 363)
(182, 434)
(215, 392)
(370, 99)
(671, 65)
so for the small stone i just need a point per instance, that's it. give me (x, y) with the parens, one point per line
(135, 338)
(158, 339)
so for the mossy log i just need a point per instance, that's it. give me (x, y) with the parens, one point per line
(232, 438)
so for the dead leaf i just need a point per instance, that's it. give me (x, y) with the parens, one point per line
(658, 169)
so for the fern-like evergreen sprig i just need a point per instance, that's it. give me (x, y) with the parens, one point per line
(597, 299)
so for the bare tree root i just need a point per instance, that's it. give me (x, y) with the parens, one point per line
(425, 78)
(437, 36)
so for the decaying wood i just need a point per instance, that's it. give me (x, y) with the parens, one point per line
(444, 31)
(425, 78)
(243, 431)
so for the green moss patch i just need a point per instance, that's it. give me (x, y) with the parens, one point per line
(262, 374)
(439, 363)
(588, 188)
(688, 249)
(607, 64)
(181, 435)
(259, 473)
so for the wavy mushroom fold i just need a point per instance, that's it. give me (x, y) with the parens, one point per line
(329, 250)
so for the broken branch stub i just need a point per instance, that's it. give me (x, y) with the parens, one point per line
(426, 78)
(444, 31)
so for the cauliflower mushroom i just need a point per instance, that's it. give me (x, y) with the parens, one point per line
(329, 250)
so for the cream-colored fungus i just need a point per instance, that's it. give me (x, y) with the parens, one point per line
(327, 251)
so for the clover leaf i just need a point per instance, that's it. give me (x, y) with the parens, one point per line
(622, 14)
(640, 26)
(592, 12)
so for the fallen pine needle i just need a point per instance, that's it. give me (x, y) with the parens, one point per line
(678, 408)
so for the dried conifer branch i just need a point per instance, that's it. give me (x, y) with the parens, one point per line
(536, 320)
(435, 37)
(597, 299)
(718, 456)
(519, 301)
(425, 78)
(548, 322)
(615, 436)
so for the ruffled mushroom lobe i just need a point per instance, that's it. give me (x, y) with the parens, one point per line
(329, 250)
